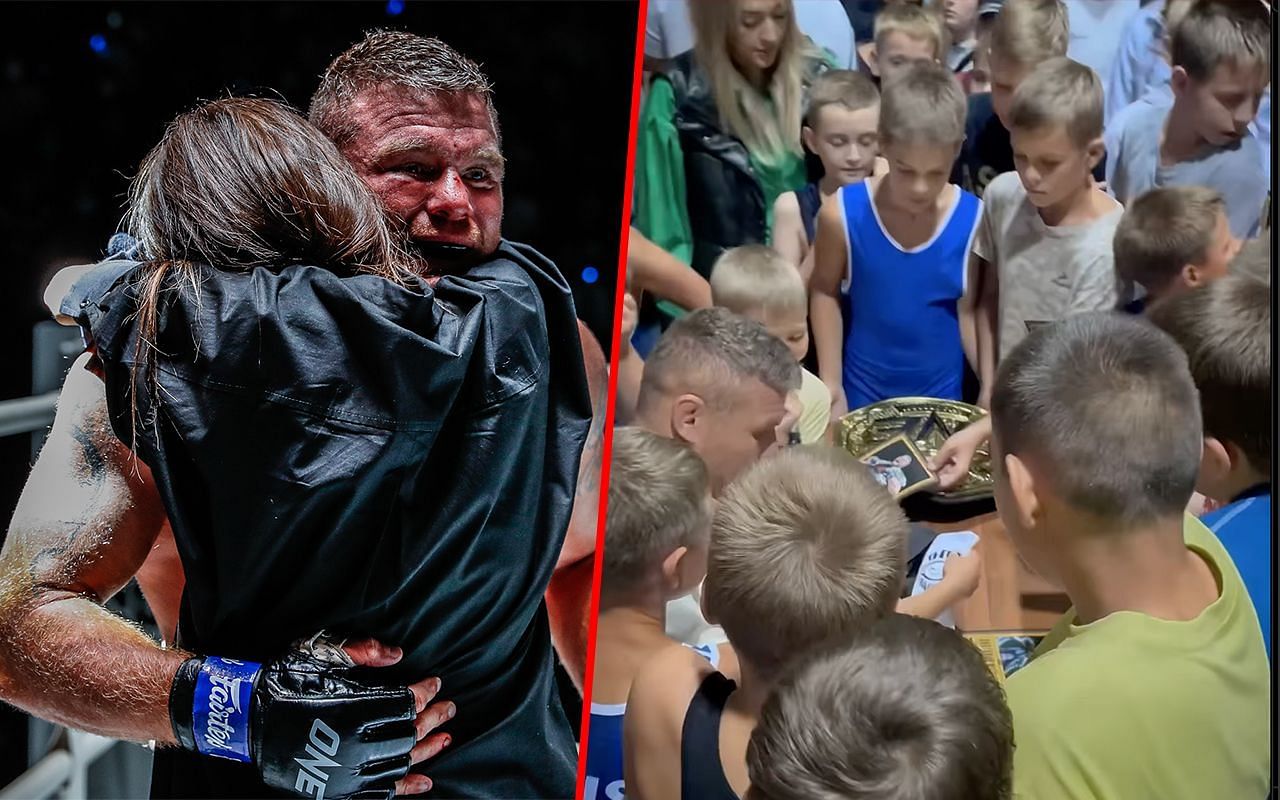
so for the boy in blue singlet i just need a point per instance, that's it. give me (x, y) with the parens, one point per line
(890, 300)
(806, 548)
(655, 551)
(841, 128)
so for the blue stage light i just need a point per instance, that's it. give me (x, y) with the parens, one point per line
(98, 43)
(395, 7)
(590, 275)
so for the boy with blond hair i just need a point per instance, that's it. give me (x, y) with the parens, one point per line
(1173, 239)
(1220, 51)
(759, 284)
(655, 549)
(906, 708)
(840, 128)
(1045, 244)
(1155, 682)
(1225, 330)
(905, 33)
(806, 548)
(1025, 34)
(892, 255)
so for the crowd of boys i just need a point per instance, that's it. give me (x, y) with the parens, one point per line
(752, 641)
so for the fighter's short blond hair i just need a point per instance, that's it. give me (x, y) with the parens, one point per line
(805, 547)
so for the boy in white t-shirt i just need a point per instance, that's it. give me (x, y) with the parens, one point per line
(1044, 244)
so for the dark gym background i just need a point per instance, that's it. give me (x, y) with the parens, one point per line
(87, 88)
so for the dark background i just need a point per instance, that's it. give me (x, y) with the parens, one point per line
(87, 88)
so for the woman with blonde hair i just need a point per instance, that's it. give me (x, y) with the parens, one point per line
(719, 138)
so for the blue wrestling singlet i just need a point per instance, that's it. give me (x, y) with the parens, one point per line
(902, 330)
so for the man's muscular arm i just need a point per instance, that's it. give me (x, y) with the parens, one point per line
(84, 524)
(580, 541)
(569, 593)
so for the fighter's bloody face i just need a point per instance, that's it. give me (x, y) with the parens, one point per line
(433, 160)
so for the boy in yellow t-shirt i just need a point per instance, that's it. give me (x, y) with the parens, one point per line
(1155, 683)
(759, 284)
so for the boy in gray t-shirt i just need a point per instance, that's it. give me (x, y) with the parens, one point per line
(1221, 65)
(1045, 236)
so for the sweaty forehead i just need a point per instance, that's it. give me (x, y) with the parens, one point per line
(387, 113)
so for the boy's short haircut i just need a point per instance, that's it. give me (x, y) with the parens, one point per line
(1060, 92)
(805, 547)
(1104, 405)
(925, 105)
(658, 493)
(1216, 32)
(1225, 329)
(1164, 230)
(1027, 32)
(906, 709)
(1172, 14)
(844, 87)
(1254, 260)
(709, 352)
(915, 21)
(756, 277)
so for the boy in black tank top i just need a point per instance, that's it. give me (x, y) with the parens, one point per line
(840, 131)
(927, 683)
(805, 547)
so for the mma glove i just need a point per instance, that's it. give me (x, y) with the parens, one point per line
(303, 722)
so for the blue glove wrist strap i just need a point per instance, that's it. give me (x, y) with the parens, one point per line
(220, 710)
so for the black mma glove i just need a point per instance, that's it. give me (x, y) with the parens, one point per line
(308, 727)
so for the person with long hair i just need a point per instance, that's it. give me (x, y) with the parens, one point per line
(343, 451)
(719, 137)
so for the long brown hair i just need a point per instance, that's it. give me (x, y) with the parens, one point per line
(240, 183)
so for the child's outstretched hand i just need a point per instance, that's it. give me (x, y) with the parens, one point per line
(961, 573)
(951, 463)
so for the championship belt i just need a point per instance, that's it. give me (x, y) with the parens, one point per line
(926, 423)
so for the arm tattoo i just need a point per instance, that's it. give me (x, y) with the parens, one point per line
(92, 467)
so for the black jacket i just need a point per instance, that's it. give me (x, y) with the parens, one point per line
(343, 454)
(725, 201)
